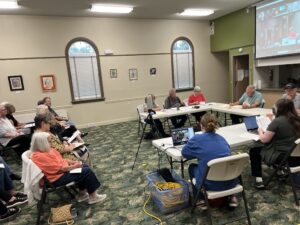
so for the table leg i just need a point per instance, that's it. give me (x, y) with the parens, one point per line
(182, 168)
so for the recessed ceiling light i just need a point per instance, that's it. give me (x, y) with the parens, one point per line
(8, 4)
(197, 12)
(111, 8)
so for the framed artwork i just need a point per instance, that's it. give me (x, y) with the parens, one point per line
(133, 74)
(152, 71)
(48, 83)
(113, 73)
(16, 83)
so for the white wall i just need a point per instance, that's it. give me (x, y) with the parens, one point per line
(25, 40)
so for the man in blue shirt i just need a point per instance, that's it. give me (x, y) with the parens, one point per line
(250, 99)
(205, 147)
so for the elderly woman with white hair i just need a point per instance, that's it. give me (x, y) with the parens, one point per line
(57, 169)
(195, 99)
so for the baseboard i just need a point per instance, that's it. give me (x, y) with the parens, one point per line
(106, 122)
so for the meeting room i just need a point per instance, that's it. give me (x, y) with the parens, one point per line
(150, 112)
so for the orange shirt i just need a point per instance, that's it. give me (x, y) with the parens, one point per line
(50, 163)
(199, 98)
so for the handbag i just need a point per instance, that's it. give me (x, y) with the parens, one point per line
(61, 215)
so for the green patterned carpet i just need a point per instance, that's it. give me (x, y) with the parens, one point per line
(113, 148)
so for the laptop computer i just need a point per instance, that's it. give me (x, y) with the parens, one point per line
(251, 124)
(182, 136)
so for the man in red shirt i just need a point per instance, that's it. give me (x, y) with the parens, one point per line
(195, 99)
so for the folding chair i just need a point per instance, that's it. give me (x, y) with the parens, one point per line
(224, 169)
(263, 102)
(294, 152)
(142, 124)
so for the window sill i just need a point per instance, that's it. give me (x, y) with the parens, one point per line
(184, 89)
(87, 100)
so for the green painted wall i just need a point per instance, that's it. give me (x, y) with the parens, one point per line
(233, 30)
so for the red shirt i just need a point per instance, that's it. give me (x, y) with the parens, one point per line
(199, 98)
(50, 163)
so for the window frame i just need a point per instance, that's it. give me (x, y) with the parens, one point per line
(69, 70)
(193, 61)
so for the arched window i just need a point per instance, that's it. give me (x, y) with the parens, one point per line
(183, 64)
(84, 71)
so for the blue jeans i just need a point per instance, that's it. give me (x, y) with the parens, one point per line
(6, 184)
(85, 180)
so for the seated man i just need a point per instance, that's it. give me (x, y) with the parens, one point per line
(205, 147)
(10, 136)
(150, 104)
(195, 99)
(250, 99)
(291, 93)
(173, 101)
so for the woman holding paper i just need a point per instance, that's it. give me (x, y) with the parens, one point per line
(278, 138)
(60, 171)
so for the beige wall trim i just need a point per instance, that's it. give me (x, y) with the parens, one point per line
(63, 57)
(130, 99)
(34, 110)
(107, 122)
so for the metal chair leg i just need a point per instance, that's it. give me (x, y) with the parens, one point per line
(40, 206)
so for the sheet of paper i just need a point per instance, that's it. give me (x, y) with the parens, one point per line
(263, 122)
(75, 134)
(28, 125)
(77, 144)
(77, 170)
(240, 75)
(2, 165)
(248, 135)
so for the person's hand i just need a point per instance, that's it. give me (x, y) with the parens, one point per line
(246, 105)
(77, 164)
(196, 103)
(260, 131)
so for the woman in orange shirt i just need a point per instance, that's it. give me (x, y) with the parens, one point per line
(57, 169)
(195, 99)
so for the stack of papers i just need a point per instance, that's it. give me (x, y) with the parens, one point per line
(263, 122)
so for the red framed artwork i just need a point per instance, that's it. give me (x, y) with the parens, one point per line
(48, 83)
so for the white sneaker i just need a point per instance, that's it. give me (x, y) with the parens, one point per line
(97, 199)
(82, 198)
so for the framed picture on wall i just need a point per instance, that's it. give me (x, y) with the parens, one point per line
(113, 73)
(152, 71)
(16, 83)
(133, 74)
(48, 83)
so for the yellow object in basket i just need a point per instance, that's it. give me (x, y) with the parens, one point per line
(167, 185)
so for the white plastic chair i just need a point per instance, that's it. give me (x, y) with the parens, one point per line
(140, 109)
(263, 102)
(224, 169)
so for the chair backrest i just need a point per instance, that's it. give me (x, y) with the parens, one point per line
(296, 150)
(226, 168)
(263, 102)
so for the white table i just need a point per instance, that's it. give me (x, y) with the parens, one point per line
(230, 133)
(217, 107)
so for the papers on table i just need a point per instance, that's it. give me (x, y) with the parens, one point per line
(29, 125)
(77, 170)
(251, 136)
(75, 134)
(263, 122)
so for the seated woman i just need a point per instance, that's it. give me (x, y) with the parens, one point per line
(10, 110)
(205, 147)
(42, 124)
(277, 139)
(10, 136)
(195, 99)
(151, 105)
(59, 128)
(57, 169)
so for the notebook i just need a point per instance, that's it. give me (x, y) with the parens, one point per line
(182, 136)
(251, 124)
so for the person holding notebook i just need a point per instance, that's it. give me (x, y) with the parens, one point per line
(276, 140)
(205, 147)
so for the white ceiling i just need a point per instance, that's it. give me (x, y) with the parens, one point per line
(147, 9)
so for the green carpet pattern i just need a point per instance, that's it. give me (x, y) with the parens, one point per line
(113, 149)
